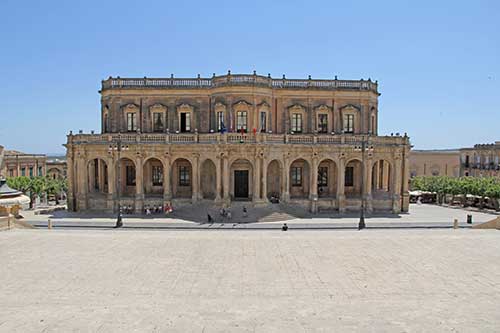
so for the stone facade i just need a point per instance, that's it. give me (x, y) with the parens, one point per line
(435, 163)
(482, 160)
(238, 137)
(56, 167)
(17, 164)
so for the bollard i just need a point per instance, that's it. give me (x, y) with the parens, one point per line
(49, 224)
(455, 224)
(469, 218)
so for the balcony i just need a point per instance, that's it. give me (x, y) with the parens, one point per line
(237, 80)
(236, 138)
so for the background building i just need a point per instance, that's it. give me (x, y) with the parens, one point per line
(481, 161)
(21, 164)
(238, 137)
(56, 167)
(435, 162)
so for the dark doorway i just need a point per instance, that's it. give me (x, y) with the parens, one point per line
(241, 184)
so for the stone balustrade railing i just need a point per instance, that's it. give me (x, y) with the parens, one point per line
(233, 138)
(239, 80)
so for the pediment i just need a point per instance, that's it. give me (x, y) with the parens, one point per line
(296, 107)
(242, 103)
(351, 107)
(323, 107)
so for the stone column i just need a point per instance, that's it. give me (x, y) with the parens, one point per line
(286, 179)
(82, 183)
(313, 190)
(218, 179)
(167, 192)
(341, 185)
(91, 177)
(111, 184)
(139, 187)
(396, 186)
(196, 179)
(367, 191)
(226, 180)
(264, 180)
(71, 180)
(406, 173)
(256, 180)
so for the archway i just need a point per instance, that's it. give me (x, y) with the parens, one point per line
(299, 179)
(208, 179)
(381, 178)
(182, 178)
(153, 177)
(241, 174)
(127, 177)
(97, 176)
(54, 173)
(327, 179)
(273, 180)
(352, 180)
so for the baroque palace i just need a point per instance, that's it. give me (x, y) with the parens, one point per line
(306, 142)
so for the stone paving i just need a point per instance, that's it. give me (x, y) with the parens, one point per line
(250, 281)
(266, 218)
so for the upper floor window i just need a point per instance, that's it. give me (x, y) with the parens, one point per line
(220, 120)
(348, 123)
(263, 121)
(11, 172)
(185, 122)
(157, 175)
(297, 122)
(40, 171)
(131, 121)
(296, 176)
(158, 125)
(105, 121)
(31, 171)
(322, 123)
(241, 121)
(23, 171)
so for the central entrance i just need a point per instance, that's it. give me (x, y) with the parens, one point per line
(241, 184)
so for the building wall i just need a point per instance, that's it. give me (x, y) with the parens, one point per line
(435, 163)
(483, 160)
(268, 156)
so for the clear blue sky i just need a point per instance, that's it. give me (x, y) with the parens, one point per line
(437, 62)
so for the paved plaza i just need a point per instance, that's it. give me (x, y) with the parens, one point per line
(250, 281)
(195, 217)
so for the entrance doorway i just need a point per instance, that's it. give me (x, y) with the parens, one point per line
(241, 184)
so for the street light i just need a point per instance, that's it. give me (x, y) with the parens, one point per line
(118, 148)
(362, 149)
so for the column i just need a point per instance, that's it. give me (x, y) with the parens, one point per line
(196, 179)
(225, 180)
(82, 183)
(256, 180)
(218, 179)
(367, 191)
(396, 186)
(341, 185)
(111, 184)
(167, 192)
(139, 187)
(406, 173)
(264, 181)
(71, 188)
(91, 180)
(313, 190)
(286, 178)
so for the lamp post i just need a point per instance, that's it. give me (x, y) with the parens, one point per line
(118, 148)
(363, 148)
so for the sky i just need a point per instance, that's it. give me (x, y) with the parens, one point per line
(437, 62)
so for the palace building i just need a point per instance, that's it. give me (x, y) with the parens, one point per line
(303, 142)
(483, 160)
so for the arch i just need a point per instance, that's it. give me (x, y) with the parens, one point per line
(182, 178)
(273, 180)
(299, 179)
(327, 178)
(97, 172)
(435, 170)
(127, 176)
(382, 173)
(153, 177)
(208, 179)
(241, 179)
(54, 173)
(352, 180)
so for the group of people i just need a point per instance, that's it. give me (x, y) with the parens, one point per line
(225, 213)
(158, 209)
